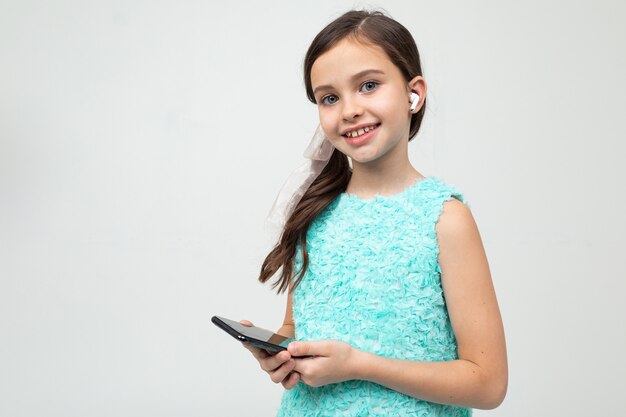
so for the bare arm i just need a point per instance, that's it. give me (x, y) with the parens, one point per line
(288, 328)
(479, 378)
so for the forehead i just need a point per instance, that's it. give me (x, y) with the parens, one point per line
(349, 57)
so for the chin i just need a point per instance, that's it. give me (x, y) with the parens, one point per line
(360, 159)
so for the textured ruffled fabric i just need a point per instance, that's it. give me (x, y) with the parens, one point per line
(373, 281)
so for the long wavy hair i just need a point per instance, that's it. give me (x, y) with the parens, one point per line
(367, 27)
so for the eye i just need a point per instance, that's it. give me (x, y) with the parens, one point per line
(369, 86)
(329, 99)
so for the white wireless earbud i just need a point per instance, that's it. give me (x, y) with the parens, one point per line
(415, 99)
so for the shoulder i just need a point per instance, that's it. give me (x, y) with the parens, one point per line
(455, 213)
(457, 232)
(454, 222)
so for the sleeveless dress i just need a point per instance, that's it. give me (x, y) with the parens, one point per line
(373, 281)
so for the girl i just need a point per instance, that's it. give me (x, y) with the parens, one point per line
(390, 294)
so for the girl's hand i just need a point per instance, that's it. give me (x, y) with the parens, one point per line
(334, 361)
(279, 366)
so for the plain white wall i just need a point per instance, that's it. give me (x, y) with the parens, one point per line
(142, 144)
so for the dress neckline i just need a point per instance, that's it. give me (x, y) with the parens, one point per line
(379, 197)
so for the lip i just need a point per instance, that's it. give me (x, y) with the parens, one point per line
(364, 137)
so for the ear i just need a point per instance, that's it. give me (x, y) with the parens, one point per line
(418, 86)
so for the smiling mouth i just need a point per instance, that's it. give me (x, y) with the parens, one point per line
(360, 132)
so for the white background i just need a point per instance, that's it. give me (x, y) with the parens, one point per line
(142, 144)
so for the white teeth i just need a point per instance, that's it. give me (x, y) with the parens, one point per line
(359, 132)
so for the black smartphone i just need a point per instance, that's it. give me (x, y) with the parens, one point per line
(256, 336)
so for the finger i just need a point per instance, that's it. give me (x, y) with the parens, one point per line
(246, 323)
(273, 362)
(283, 371)
(292, 380)
(316, 348)
(259, 354)
(302, 366)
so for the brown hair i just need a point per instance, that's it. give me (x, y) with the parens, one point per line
(368, 27)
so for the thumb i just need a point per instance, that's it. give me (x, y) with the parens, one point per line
(316, 348)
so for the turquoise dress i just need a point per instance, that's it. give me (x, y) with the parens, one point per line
(373, 281)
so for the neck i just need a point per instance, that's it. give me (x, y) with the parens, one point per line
(385, 176)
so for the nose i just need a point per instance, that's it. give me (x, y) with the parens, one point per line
(351, 108)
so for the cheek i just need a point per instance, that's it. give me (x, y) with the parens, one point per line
(385, 108)
(328, 122)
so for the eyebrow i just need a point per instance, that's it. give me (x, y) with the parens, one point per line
(354, 77)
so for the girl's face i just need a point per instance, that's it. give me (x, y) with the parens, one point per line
(363, 101)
